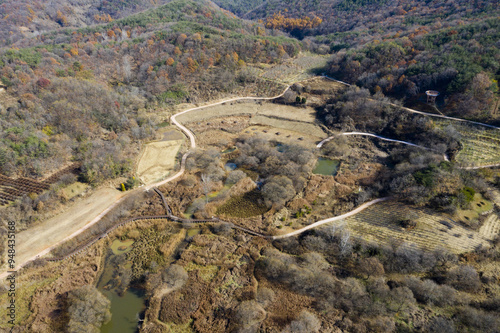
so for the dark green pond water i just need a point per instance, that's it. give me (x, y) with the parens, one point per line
(125, 309)
(326, 166)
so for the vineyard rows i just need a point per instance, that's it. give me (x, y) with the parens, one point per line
(379, 223)
(481, 145)
(12, 189)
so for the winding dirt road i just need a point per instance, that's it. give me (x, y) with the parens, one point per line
(27, 253)
(372, 135)
(331, 219)
(319, 145)
(27, 250)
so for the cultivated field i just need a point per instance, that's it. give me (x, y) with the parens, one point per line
(481, 145)
(306, 114)
(491, 227)
(276, 121)
(379, 223)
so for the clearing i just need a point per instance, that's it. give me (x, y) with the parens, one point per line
(249, 107)
(269, 119)
(304, 66)
(158, 158)
(74, 190)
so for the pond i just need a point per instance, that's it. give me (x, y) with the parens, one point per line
(125, 309)
(229, 150)
(230, 166)
(326, 166)
(120, 247)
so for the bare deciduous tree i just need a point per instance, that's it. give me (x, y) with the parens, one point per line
(206, 184)
(175, 276)
(88, 310)
(306, 322)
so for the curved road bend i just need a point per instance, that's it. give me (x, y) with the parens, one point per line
(319, 145)
(331, 219)
(145, 188)
(181, 171)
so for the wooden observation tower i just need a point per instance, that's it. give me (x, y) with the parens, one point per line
(431, 96)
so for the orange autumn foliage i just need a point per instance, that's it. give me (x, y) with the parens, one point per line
(278, 21)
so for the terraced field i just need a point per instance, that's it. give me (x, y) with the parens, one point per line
(379, 224)
(12, 189)
(491, 227)
(297, 69)
(481, 145)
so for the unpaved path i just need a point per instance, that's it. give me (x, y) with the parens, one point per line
(421, 112)
(372, 135)
(39, 240)
(45, 237)
(331, 219)
(381, 138)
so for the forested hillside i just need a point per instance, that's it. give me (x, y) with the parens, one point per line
(401, 48)
(28, 18)
(178, 52)
(461, 61)
(87, 95)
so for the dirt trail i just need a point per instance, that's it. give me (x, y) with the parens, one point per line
(421, 112)
(381, 138)
(42, 239)
(331, 219)
(39, 240)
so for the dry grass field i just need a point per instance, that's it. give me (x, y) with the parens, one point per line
(302, 67)
(322, 85)
(289, 125)
(491, 227)
(157, 160)
(276, 121)
(379, 224)
(306, 114)
(74, 190)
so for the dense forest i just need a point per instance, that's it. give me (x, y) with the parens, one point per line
(69, 71)
(26, 18)
(401, 48)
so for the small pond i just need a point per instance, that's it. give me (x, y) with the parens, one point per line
(229, 150)
(120, 247)
(125, 309)
(230, 166)
(326, 166)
